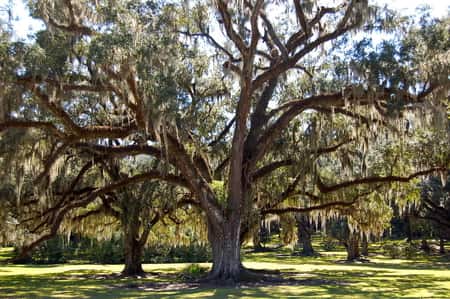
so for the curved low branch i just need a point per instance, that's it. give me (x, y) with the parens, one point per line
(120, 151)
(90, 132)
(25, 124)
(375, 179)
(308, 209)
(267, 169)
(61, 213)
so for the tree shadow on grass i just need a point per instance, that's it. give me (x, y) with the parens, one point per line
(386, 284)
(409, 265)
(166, 283)
(287, 258)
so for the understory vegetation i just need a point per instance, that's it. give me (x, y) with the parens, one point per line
(58, 250)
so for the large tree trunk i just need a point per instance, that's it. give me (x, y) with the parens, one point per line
(304, 235)
(408, 229)
(23, 256)
(133, 246)
(352, 246)
(133, 260)
(226, 252)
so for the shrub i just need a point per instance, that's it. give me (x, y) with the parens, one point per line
(411, 251)
(193, 253)
(193, 271)
(107, 252)
(52, 251)
(60, 250)
(392, 250)
(329, 244)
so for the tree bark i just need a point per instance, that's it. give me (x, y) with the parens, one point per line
(257, 243)
(304, 235)
(133, 259)
(133, 245)
(23, 257)
(408, 229)
(226, 252)
(441, 245)
(352, 246)
(425, 246)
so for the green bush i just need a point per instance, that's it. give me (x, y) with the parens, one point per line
(392, 250)
(329, 244)
(193, 253)
(411, 251)
(52, 251)
(401, 250)
(61, 250)
(107, 252)
(193, 271)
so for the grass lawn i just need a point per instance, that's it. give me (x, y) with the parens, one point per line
(313, 277)
(5, 253)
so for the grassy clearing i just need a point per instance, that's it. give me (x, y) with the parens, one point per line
(317, 277)
(6, 253)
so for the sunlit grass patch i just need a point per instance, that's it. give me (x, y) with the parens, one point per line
(6, 253)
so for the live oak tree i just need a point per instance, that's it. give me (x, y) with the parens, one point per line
(132, 210)
(91, 208)
(305, 229)
(434, 206)
(52, 55)
(87, 199)
(215, 103)
(369, 218)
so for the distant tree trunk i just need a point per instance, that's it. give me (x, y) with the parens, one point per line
(441, 245)
(257, 240)
(23, 256)
(425, 247)
(408, 230)
(352, 246)
(304, 234)
(364, 246)
(133, 249)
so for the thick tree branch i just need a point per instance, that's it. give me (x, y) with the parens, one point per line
(375, 179)
(223, 133)
(222, 6)
(269, 168)
(282, 67)
(308, 209)
(82, 202)
(25, 124)
(120, 151)
(90, 132)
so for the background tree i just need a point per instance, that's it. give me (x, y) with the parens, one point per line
(305, 229)
(435, 206)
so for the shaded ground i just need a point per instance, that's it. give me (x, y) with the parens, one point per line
(316, 277)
